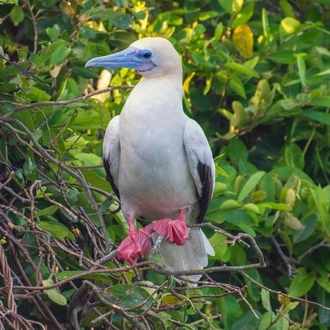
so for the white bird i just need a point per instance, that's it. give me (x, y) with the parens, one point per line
(158, 160)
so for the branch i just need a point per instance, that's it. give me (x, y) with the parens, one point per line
(63, 103)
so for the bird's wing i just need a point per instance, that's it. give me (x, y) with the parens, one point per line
(111, 153)
(200, 163)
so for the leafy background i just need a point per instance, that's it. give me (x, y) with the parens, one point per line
(256, 77)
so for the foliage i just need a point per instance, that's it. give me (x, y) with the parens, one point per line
(257, 80)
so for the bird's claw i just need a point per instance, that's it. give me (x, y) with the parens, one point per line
(136, 244)
(175, 231)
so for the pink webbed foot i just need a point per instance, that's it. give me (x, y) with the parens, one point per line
(175, 231)
(135, 245)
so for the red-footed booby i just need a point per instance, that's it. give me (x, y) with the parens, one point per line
(158, 160)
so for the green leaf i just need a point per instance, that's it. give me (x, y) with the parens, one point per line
(247, 321)
(287, 8)
(284, 57)
(219, 188)
(16, 15)
(290, 306)
(53, 294)
(231, 310)
(226, 5)
(64, 275)
(29, 167)
(201, 60)
(56, 229)
(319, 116)
(9, 2)
(47, 211)
(243, 16)
(301, 69)
(242, 69)
(68, 90)
(237, 150)
(301, 283)
(38, 95)
(129, 296)
(322, 203)
(121, 20)
(323, 298)
(96, 180)
(219, 244)
(265, 321)
(242, 220)
(104, 277)
(294, 156)
(289, 104)
(238, 255)
(267, 186)
(265, 299)
(250, 185)
(219, 31)
(309, 225)
(324, 282)
(320, 101)
(60, 54)
(237, 86)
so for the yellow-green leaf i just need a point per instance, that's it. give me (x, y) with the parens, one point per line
(252, 208)
(258, 196)
(288, 26)
(53, 294)
(243, 40)
(169, 300)
(229, 204)
(292, 222)
(250, 185)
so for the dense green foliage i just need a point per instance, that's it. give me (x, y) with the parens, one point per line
(256, 77)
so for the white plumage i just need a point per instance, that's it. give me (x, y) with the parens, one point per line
(158, 160)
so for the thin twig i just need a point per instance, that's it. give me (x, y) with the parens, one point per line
(35, 27)
(279, 293)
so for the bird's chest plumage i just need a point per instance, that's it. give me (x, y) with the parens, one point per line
(154, 179)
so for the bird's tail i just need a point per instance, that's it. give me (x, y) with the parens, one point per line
(190, 256)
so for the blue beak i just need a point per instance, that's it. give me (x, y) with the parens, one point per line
(129, 58)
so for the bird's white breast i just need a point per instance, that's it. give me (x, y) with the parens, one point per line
(154, 178)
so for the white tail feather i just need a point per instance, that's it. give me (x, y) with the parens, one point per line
(192, 255)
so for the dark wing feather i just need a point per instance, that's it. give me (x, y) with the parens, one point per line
(106, 165)
(206, 176)
(111, 153)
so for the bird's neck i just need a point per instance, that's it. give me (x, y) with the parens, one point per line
(171, 84)
(154, 98)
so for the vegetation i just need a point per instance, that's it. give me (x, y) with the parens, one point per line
(256, 77)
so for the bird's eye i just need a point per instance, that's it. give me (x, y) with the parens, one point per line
(145, 54)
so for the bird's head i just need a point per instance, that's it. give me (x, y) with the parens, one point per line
(152, 57)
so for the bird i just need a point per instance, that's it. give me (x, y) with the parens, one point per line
(158, 160)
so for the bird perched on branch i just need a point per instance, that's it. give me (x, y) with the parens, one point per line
(158, 160)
